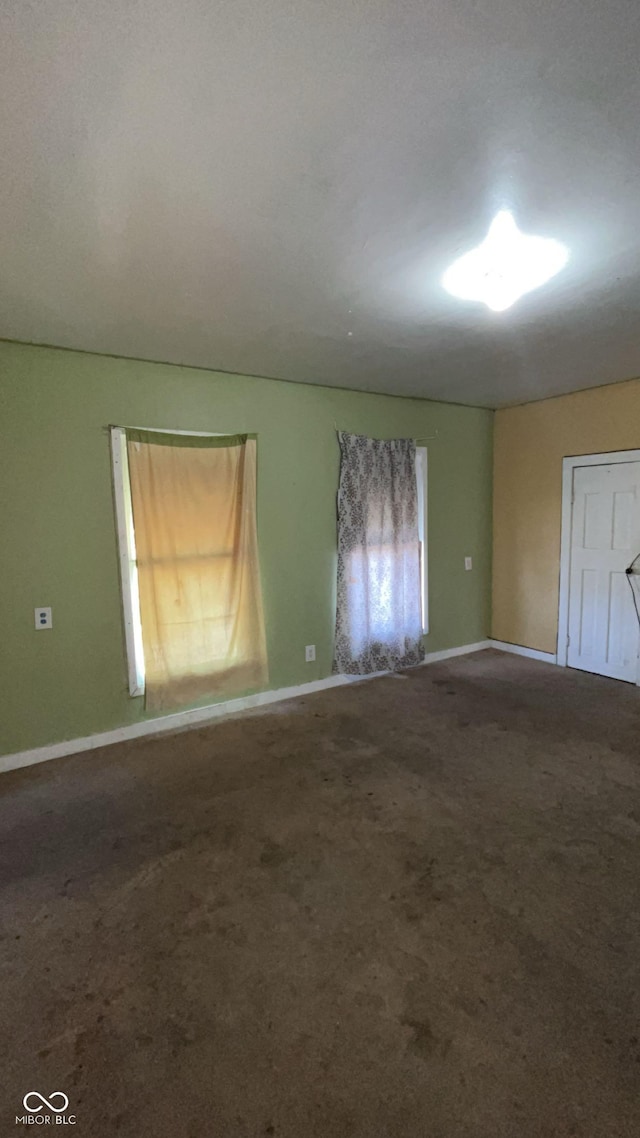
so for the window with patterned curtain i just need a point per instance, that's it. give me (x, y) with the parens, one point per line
(379, 591)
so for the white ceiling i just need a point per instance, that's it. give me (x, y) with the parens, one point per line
(240, 184)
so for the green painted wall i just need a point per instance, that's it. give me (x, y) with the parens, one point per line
(58, 532)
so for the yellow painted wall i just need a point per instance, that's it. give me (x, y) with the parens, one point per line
(529, 445)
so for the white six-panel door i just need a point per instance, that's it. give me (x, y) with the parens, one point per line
(605, 537)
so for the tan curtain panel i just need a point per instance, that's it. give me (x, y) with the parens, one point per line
(194, 516)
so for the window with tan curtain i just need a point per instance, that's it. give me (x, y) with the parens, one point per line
(194, 516)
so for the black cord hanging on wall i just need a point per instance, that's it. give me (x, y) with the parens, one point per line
(633, 577)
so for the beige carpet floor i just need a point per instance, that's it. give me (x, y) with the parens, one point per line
(407, 908)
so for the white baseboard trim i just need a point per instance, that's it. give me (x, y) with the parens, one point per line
(520, 650)
(168, 723)
(462, 650)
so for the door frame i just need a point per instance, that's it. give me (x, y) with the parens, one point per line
(568, 466)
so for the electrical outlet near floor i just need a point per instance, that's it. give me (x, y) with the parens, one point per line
(310, 653)
(468, 563)
(43, 618)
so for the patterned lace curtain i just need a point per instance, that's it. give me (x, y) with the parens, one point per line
(378, 618)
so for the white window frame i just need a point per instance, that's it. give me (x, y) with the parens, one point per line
(128, 561)
(423, 530)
